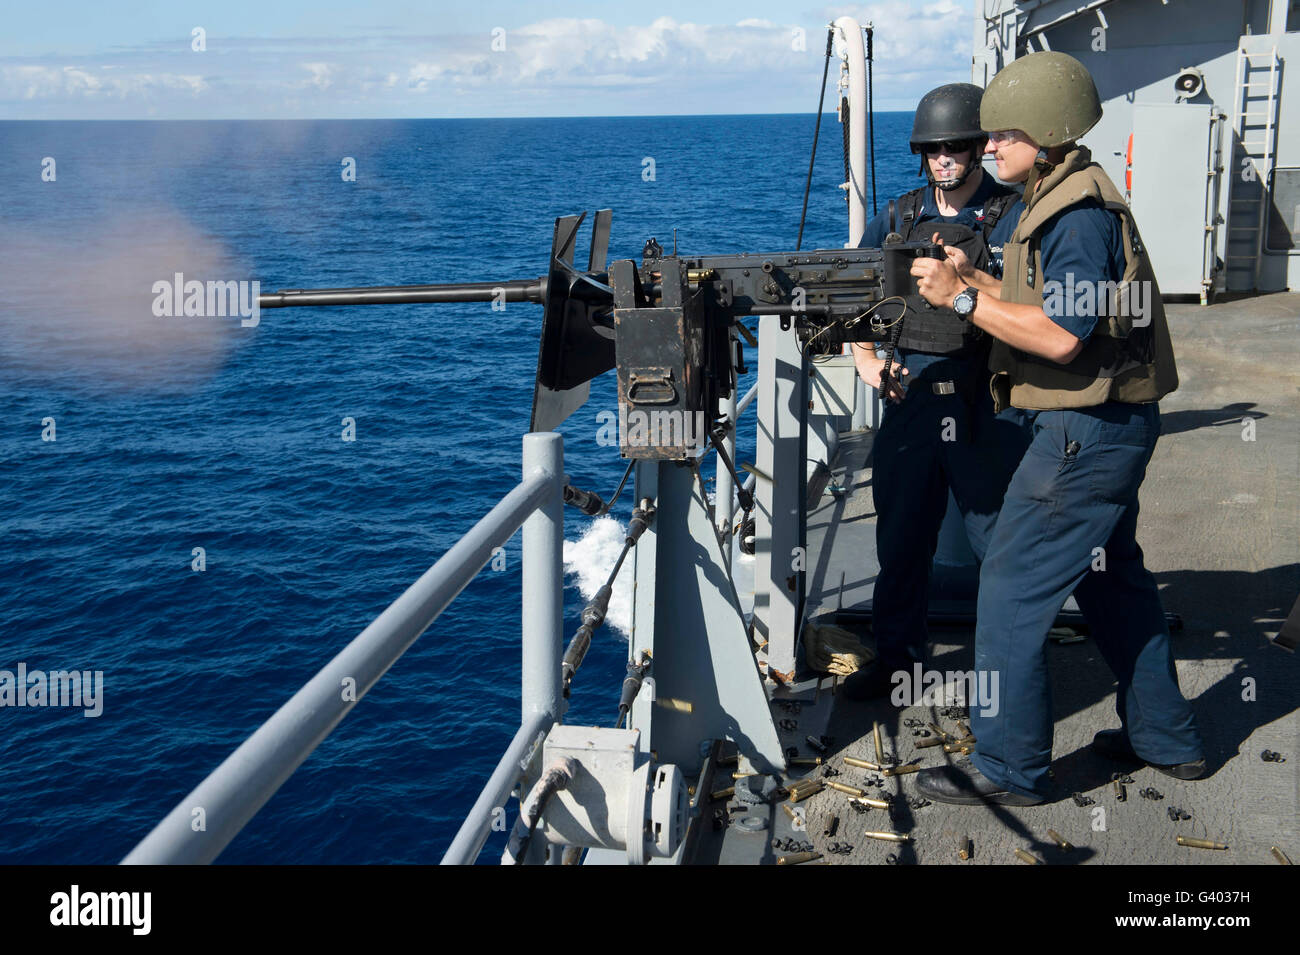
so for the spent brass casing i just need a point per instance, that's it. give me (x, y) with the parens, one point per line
(723, 793)
(1059, 840)
(816, 744)
(731, 760)
(804, 760)
(1025, 857)
(880, 746)
(1200, 843)
(888, 836)
(926, 743)
(844, 788)
(960, 745)
(902, 770)
(964, 848)
(789, 811)
(798, 857)
(742, 775)
(963, 731)
(869, 801)
(676, 705)
(861, 763)
(802, 793)
(938, 731)
(1121, 793)
(1279, 855)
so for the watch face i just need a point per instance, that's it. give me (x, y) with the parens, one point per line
(964, 303)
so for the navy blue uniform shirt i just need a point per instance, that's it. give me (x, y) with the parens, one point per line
(1081, 248)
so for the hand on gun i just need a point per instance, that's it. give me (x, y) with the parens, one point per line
(870, 367)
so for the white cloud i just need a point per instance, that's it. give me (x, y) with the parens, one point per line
(71, 82)
(322, 75)
(561, 65)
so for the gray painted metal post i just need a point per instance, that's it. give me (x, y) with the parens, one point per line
(781, 451)
(543, 580)
(860, 406)
(724, 490)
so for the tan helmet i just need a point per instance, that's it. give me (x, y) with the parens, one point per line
(1048, 95)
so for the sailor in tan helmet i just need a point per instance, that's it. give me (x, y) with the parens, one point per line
(1082, 346)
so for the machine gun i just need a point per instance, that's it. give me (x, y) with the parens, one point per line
(667, 325)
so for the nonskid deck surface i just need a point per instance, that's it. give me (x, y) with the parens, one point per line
(1220, 527)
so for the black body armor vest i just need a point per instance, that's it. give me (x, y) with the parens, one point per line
(938, 331)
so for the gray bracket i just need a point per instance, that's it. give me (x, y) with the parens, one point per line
(704, 682)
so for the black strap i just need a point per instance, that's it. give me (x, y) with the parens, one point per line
(912, 202)
(994, 210)
(893, 216)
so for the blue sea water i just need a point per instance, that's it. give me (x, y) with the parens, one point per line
(178, 433)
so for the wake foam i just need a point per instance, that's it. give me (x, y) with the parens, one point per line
(590, 559)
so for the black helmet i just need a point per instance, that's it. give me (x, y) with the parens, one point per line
(949, 114)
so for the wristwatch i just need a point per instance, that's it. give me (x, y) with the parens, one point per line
(964, 303)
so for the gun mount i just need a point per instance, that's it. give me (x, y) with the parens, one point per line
(668, 325)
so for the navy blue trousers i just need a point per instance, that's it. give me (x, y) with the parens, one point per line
(927, 444)
(1068, 523)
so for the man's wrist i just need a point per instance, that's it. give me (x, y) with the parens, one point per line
(964, 302)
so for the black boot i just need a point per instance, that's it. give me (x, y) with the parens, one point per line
(1114, 744)
(964, 785)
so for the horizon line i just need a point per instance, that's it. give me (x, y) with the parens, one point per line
(380, 119)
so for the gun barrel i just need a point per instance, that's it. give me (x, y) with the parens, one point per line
(515, 290)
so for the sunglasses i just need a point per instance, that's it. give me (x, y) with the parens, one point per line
(948, 146)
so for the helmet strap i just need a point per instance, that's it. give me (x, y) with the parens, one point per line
(1042, 167)
(954, 184)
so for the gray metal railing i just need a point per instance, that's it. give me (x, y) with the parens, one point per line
(204, 822)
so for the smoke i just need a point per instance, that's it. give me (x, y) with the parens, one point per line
(76, 304)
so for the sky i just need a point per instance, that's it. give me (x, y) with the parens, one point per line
(326, 59)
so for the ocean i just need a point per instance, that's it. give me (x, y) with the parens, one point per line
(182, 511)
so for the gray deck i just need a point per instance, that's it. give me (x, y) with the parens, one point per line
(1220, 527)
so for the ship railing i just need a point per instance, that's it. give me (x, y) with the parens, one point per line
(203, 823)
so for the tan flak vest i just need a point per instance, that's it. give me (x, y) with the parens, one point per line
(1129, 356)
